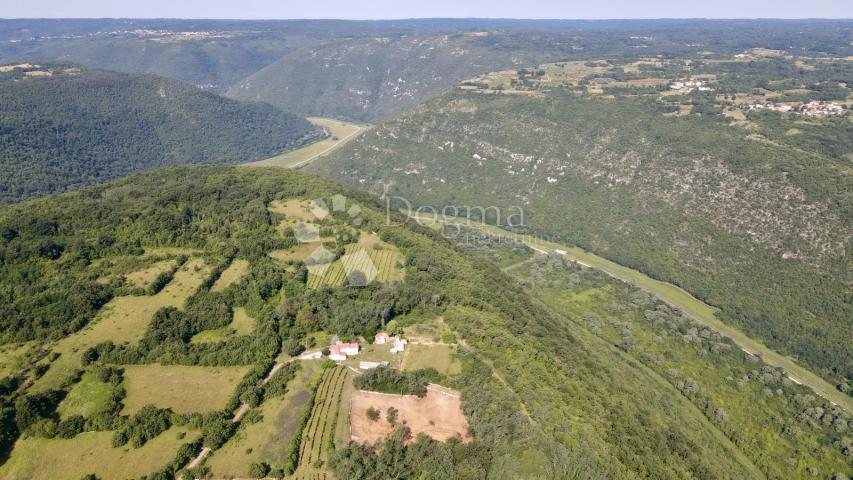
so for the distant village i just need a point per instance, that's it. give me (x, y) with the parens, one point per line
(810, 109)
(689, 85)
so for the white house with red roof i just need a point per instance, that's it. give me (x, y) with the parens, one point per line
(340, 350)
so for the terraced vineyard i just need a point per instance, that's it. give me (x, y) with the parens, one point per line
(382, 262)
(319, 434)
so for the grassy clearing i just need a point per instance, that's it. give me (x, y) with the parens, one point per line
(184, 389)
(123, 320)
(237, 270)
(145, 277)
(88, 397)
(293, 209)
(438, 356)
(298, 253)
(268, 440)
(320, 431)
(241, 325)
(170, 251)
(12, 357)
(339, 134)
(426, 331)
(50, 459)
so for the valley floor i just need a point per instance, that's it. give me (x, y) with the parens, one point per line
(339, 133)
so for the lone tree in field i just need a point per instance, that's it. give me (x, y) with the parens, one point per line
(372, 414)
(391, 415)
(259, 470)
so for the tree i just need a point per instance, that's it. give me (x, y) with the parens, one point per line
(372, 414)
(259, 470)
(392, 327)
(391, 415)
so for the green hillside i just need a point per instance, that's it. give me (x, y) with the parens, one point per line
(748, 210)
(62, 127)
(544, 398)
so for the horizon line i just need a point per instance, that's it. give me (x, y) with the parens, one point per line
(354, 19)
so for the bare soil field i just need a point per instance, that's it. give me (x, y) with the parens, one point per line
(438, 414)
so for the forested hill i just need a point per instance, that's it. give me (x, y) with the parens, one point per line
(543, 398)
(63, 127)
(751, 216)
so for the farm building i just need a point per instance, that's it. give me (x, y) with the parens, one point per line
(340, 350)
(368, 365)
(399, 345)
(381, 338)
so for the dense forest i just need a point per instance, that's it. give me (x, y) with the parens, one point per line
(62, 127)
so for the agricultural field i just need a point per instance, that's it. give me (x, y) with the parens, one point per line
(319, 434)
(438, 356)
(338, 133)
(342, 432)
(41, 458)
(123, 319)
(237, 270)
(241, 325)
(438, 414)
(184, 389)
(378, 262)
(267, 441)
(88, 397)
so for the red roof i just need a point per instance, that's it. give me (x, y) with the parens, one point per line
(338, 347)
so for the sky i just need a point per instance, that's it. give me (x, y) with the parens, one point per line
(390, 9)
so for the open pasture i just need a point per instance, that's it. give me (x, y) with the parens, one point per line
(438, 414)
(145, 277)
(297, 254)
(92, 452)
(184, 389)
(87, 397)
(12, 357)
(123, 320)
(438, 356)
(241, 325)
(237, 270)
(292, 209)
